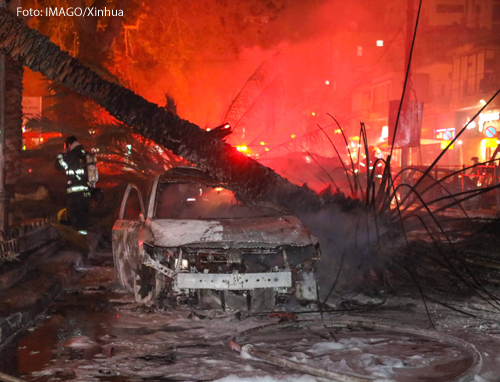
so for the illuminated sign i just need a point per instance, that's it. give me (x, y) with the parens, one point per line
(470, 124)
(483, 118)
(489, 142)
(445, 134)
(32, 107)
(490, 132)
(444, 144)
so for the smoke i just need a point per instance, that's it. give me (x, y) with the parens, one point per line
(354, 244)
(227, 49)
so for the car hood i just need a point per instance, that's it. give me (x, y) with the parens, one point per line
(231, 233)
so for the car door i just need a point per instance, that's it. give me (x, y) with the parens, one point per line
(125, 237)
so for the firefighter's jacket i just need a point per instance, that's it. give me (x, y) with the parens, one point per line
(74, 164)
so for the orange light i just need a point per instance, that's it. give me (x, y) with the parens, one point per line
(313, 113)
(242, 148)
(262, 143)
(293, 136)
(267, 149)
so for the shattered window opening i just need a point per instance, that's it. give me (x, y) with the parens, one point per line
(196, 200)
(133, 207)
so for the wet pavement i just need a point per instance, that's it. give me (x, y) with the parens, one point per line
(78, 311)
(96, 332)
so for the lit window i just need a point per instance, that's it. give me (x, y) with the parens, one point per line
(380, 42)
(360, 51)
(385, 132)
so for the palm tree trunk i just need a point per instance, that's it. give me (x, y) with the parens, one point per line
(247, 177)
(13, 121)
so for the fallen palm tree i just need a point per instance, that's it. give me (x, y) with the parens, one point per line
(251, 180)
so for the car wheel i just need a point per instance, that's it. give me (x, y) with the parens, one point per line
(147, 284)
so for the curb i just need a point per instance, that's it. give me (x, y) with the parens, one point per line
(37, 285)
(14, 322)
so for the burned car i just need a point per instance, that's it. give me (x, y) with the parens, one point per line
(195, 240)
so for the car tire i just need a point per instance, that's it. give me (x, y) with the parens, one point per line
(147, 284)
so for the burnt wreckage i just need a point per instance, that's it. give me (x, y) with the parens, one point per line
(197, 241)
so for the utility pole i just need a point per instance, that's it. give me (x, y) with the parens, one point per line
(4, 215)
(410, 12)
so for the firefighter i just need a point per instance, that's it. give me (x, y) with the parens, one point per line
(74, 163)
(476, 171)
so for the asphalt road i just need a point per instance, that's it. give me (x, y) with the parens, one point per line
(96, 332)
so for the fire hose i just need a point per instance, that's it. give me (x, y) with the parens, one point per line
(344, 377)
(9, 378)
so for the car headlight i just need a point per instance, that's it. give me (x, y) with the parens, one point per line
(184, 264)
